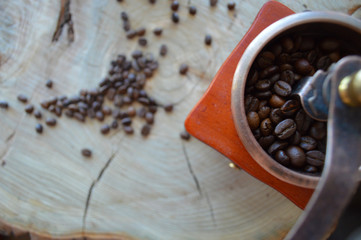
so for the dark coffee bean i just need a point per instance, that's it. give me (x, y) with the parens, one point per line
(282, 88)
(192, 10)
(142, 41)
(277, 145)
(146, 129)
(266, 127)
(168, 107)
(69, 113)
(149, 117)
(329, 45)
(276, 101)
(265, 59)
(185, 135)
(334, 56)
(22, 98)
(318, 130)
(106, 110)
(29, 108)
(50, 122)
(231, 5)
(4, 104)
(49, 83)
(302, 66)
(99, 115)
(297, 156)
(37, 114)
(126, 121)
(175, 17)
(174, 6)
(124, 16)
(288, 76)
(104, 129)
(264, 112)
(158, 31)
(253, 120)
(285, 129)
(315, 158)
(131, 111)
(86, 152)
(290, 107)
(127, 100)
(143, 100)
(282, 158)
(141, 112)
(141, 31)
(276, 115)
(148, 73)
(303, 121)
(311, 56)
(263, 95)
(213, 3)
(283, 58)
(131, 34)
(323, 62)
(308, 43)
(114, 124)
(152, 109)
(253, 79)
(310, 169)
(269, 71)
(183, 69)
(287, 44)
(308, 143)
(266, 141)
(295, 138)
(263, 85)
(128, 130)
(296, 56)
(79, 117)
(152, 1)
(285, 67)
(257, 134)
(263, 103)
(251, 103)
(58, 111)
(137, 54)
(39, 128)
(208, 39)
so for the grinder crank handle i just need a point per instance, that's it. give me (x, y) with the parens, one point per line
(341, 173)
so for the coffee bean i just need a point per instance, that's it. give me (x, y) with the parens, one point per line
(69, 113)
(263, 85)
(277, 145)
(253, 120)
(265, 59)
(174, 6)
(185, 135)
(311, 56)
(283, 58)
(152, 1)
(266, 127)
(285, 67)
(99, 115)
(276, 101)
(39, 128)
(158, 31)
(37, 114)
(323, 62)
(128, 130)
(295, 139)
(285, 129)
(263, 95)
(175, 17)
(213, 3)
(288, 76)
(318, 130)
(86, 152)
(282, 158)
(131, 34)
(276, 115)
(282, 88)
(29, 108)
(22, 98)
(302, 66)
(114, 124)
(269, 71)
(146, 129)
(49, 83)
(303, 121)
(310, 169)
(192, 10)
(297, 156)
(329, 45)
(266, 141)
(264, 112)
(141, 31)
(124, 16)
(290, 107)
(262, 103)
(208, 39)
(79, 117)
(287, 44)
(315, 158)
(142, 41)
(308, 143)
(168, 107)
(183, 69)
(149, 117)
(253, 79)
(257, 134)
(50, 122)
(334, 56)
(231, 5)
(104, 129)
(4, 104)
(251, 103)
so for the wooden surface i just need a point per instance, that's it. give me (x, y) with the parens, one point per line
(154, 188)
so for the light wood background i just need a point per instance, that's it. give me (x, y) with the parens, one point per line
(155, 188)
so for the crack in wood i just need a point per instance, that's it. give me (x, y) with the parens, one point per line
(10, 136)
(191, 170)
(211, 209)
(64, 19)
(90, 191)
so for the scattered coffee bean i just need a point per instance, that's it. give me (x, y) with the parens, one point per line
(104, 129)
(297, 156)
(175, 5)
(163, 50)
(168, 107)
(231, 5)
(37, 114)
(175, 17)
(146, 129)
(152, 1)
(213, 3)
(126, 121)
(22, 98)
(183, 69)
(158, 31)
(142, 41)
(49, 83)
(29, 108)
(39, 128)
(114, 124)
(131, 34)
(185, 135)
(192, 10)
(208, 39)
(128, 130)
(4, 104)
(149, 117)
(124, 16)
(285, 129)
(141, 31)
(50, 122)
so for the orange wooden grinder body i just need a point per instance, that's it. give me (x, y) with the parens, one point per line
(211, 119)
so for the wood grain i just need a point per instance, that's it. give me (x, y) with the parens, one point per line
(132, 188)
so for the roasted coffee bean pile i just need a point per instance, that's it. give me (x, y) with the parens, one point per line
(276, 119)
